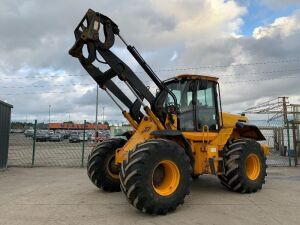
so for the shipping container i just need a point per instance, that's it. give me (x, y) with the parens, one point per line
(5, 115)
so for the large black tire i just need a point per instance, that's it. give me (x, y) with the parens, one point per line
(245, 166)
(149, 168)
(100, 168)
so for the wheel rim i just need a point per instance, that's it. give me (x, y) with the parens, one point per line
(112, 168)
(252, 167)
(165, 178)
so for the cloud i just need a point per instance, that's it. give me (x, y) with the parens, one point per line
(282, 28)
(271, 43)
(38, 34)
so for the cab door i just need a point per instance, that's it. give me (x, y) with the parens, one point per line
(206, 110)
(184, 90)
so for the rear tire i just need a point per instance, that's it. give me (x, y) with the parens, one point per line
(156, 177)
(101, 168)
(245, 166)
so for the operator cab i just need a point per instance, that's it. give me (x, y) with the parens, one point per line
(198, 103)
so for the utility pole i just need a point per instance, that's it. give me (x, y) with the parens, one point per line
(286, 122)
(103, 116)
(284, 105)
(49, 118)
(97, 102)
(69, 122)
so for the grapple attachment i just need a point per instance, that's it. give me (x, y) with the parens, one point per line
(87, 33)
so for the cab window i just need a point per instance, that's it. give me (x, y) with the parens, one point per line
(183, 90)
(206, 111)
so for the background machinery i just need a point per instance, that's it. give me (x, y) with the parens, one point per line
(179, 133)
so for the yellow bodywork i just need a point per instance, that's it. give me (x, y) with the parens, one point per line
(205, 145)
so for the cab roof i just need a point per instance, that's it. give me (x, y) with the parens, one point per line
(197, 77)
(193, 77)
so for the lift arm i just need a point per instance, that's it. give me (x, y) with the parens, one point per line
(87, 34)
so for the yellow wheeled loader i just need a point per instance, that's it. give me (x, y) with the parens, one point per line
(180, 134)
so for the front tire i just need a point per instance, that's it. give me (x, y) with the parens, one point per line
(101, 169)
(245, 166)
(156, 177)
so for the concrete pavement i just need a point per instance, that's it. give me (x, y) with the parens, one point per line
(47, 196)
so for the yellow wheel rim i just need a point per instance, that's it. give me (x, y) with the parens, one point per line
(252, 167)
(165, 178)
(111, 167)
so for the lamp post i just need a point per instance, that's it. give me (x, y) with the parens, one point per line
(69, 122)
(49, 118)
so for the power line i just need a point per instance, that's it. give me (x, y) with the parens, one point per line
(160, 70)
(144, 75)
(120, 82)
(233, 65)
(35, 93)
(259, 80)
(233, 82)
(259, 73)
(44, 86)
(41, 76)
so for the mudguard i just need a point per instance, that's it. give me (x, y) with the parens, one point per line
(249, 131)
(179, 135)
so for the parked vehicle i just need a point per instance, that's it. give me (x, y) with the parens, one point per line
(42, 135)
(102, 135)
(29, 133)
(16, 131)
(86, 137)
(63, 133)
(74, 137)
(89, 134)
(67, 134)
(56, 137)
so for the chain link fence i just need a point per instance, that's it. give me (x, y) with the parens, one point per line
(284, 147)
(70, 148)
(46, 153)
(38, 146)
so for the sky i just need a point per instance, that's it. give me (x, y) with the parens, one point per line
(252, 46)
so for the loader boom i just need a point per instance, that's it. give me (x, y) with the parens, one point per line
(87, 34)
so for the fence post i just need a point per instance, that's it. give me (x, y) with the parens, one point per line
(33, 145)
(289, 143)
(295, 142)
(83, 142)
